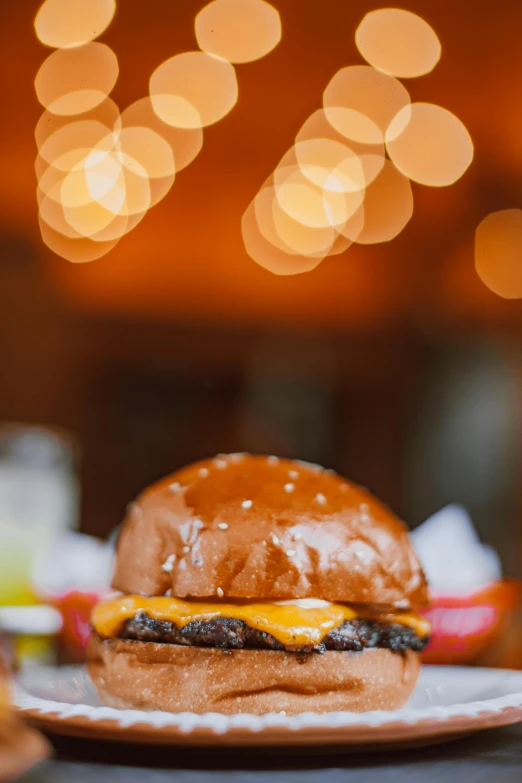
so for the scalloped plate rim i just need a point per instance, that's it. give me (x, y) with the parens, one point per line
(408, 725)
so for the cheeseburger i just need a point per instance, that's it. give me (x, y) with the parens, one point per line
(257, 584)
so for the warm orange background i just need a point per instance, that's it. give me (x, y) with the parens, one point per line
(186, 259)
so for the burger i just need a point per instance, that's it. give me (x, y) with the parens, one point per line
(257, 584)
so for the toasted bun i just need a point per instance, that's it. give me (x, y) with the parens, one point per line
(173, 678)
(266, 528)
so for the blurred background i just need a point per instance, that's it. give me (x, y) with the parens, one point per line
(393, 364)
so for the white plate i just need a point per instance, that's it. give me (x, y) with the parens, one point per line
(449, 701)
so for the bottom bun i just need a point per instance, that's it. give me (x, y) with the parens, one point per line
(173, 678)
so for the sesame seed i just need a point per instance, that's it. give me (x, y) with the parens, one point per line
(275, 539)
(237, 457)
(203, 472)
(186, 549)
(246, 504)
(175, 486)
(320, 498)
(359, 554)
(220, 592)
(223, 526)
(364, 508)
(168, 565)
(220, 463)
(297, 536)
(272, 460)
(310, 465)
(293, 474)
(289, 487)
(290, 552)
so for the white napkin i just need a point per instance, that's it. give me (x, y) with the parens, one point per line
(452, 555)
(72, 561)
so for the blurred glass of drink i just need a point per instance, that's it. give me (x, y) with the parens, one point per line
(38, 500)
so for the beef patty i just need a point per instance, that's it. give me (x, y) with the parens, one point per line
(227, 633)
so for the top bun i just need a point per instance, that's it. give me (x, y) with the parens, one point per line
(265, 528)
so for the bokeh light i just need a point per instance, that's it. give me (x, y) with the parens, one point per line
(388, 206)
(79, 250)
(68, 23)
(330, 165)
(96, 178)
(72, 142)
(73, 81)
(239, 31)
(429, 144)
(398, 42)
(193, 90)
(186, 143)
(98, 171)
(264, 204)
(52, 213)
(300, 238)
(103, 192)
(498, 252)
(360, 103)
(107, 113)
(153, 154)
(286, 233)
(371, 156)
(311, 205)
(268, 255)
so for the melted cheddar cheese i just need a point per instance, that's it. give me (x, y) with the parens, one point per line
(291, 624)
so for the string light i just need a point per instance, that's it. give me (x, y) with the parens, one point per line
(284, 232)
(193, 89)
(98, 171)
(388, 206)
(268, 255)
(239, 31)
(68, 23)
(79, 250)
(360, 103)
(154, 154)
(398, 43)
(429, 144)
(73, 81)
(107, 113)
(336, 178)
(371, 156)
(498, 252)
(330, 165)
(185, 143)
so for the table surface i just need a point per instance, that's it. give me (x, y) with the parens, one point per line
(487, 756)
